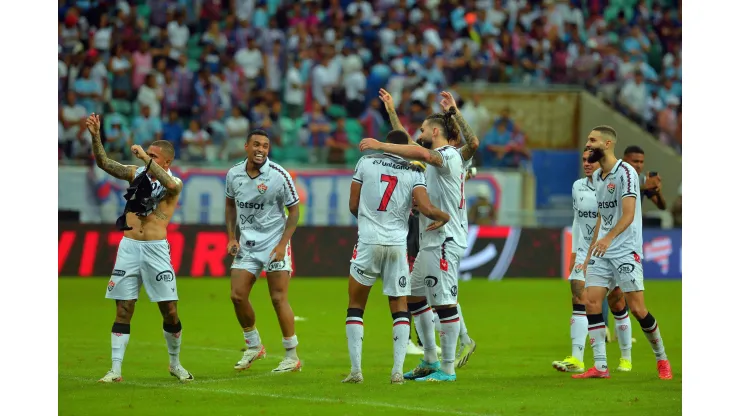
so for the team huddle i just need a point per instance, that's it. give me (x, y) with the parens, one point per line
(409, 201)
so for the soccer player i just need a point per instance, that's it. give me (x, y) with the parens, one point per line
(143, 257)
(649, 187)
(585, 211)
(257, 193)
(380, 198)
(616, 251)
(434, 277)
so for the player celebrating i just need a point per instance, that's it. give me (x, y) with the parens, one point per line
(584, 220)
(143, 256)
(434, 276)
(380, 198)
(259, 191)
(616, 251)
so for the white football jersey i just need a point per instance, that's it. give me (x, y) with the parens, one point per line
(158, 191)
(585, 212)
(260, 203)
(385, 199)
(621, 182)
(467, 164)
(446, 188)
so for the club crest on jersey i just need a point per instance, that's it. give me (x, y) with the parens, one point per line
(611, 187)
(443, 265)
(262, 188)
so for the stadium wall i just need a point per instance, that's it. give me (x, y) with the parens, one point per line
(494, 252)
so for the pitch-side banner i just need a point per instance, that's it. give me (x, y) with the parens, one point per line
(661, 253)
(493, 253)
(324, 195)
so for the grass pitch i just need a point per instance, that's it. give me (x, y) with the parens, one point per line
(520, 327)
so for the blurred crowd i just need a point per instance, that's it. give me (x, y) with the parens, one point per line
(202, 73)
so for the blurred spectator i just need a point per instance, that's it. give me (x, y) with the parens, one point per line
(354, 87)
(338, 143)
(295, 94)
(214, 37)
(146, 128)
(172, 131)
(668, 123)
(71, 114)
(178, 34)
(482, 212)
(634, 97)
(89, 91)
(676, 210)
(150, 96)
(195, 140)
(142, 63)
(650, 184)
(237, 128)
(477, 115)
(319, 129)
(504, 148)
(274, 66)
(251, 61)
(120, 66)
(117, 135)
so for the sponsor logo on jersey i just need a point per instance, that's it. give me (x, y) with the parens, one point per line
(120, 273)
(587, 214)
(165, 276)
(590, 229)
(607, 204)
(246, 219)
(611, 187)
(276, 265)
(608, 219)
(250, 243)
(625, 268)
(250, 205)
(358, 270)
(262, 188)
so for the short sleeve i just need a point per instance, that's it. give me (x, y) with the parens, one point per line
(357, 176)
(419, 180)
(290, 194)
(449, 154)
(229, 186)
(629, 182)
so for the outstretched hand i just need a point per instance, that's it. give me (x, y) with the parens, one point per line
(447, 101)
(93, 124)
(369, 144)
(387, 99)
(137, 151)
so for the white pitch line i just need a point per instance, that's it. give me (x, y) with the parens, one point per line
(350, 402)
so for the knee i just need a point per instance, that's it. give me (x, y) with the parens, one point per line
(125, 311)
(577, 299)
(639, 312)
(593, 306)
(277, 298)
(237, 298)
(169, 312)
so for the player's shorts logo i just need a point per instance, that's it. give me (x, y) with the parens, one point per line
(111, 285)
(636, 257)
(276, 265)
(354, 252)
(591, 262)
(262, 188)
(579, 268)
(402, 281)
(119, 273)
(430, 281)
(165, 276)
(611, 187)
(358, 270)
(250, 243)
(625, 268)
(453, 290)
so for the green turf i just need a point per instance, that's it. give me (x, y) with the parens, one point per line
(520, 326)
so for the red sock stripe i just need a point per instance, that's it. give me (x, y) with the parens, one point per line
(596, 327)
(650, 331)
(450, 321)
(401, 323)
(622, 318)
(429, 308)
(355, 323)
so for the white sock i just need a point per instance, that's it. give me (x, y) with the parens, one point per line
(450, 323)
(578, 331)
(437, 325)
(424, 320)
(464, 338)
(173, 336)
(252, 338)
(119, 337)
(623, 326)
(652, 333)
(597, 333)
(291, 347)
(401, 330)
(355, 333)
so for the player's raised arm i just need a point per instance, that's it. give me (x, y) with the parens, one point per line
(113, 168)
(410, 152)
(450, 106)
(390, 107)
(171, 183)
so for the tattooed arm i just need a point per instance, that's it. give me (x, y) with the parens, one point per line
(448, 104)
(387, 99)
(172, 184)
(406, 151)
(113, 168)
